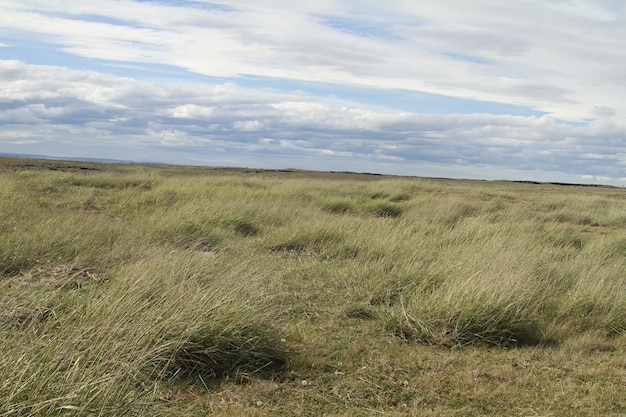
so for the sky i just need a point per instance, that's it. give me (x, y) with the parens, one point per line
(528, 90)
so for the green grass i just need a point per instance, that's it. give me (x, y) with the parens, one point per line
(161, 290)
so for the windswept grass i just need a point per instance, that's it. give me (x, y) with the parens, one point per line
(131, 290)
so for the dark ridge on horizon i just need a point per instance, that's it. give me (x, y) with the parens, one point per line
(564, 184)
(68, 158)
(105, 161)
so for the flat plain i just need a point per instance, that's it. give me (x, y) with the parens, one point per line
(129, 289)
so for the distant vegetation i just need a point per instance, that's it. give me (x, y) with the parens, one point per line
(161, 290)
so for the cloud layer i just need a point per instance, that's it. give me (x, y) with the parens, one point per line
(46, 109)
(559, 63)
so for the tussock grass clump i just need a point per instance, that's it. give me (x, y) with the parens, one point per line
(314, 242)
(319, 243)
(158, 290)
(399, 198)
(250, 350)
(499, 286)
(246, 229)
(564, 238)
(467, 322)
(379, 195)
(108, 182)
(459, 212)
(168, 317)
(341, 207)
(378, 209)
(500, 304)
(189, 235)
(104, 311)
(386, 210)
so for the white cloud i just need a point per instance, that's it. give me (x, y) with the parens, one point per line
(563, 58)
(61, 111)
(248, 125)
(191, 111)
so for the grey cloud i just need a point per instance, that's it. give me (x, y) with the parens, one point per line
(107, 116)
(603, 111)
(468, 40)
(543, 92)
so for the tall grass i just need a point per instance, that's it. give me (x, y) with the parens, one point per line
(99, 311)
(117, 286)
(103, 346)
(512, 282)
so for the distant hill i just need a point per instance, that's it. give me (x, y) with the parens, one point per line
(74, 158)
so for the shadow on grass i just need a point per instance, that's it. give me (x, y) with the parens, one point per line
(210, 357)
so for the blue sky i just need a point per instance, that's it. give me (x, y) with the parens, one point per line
(526, 90)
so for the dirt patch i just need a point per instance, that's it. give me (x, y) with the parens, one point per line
(30, 297)
(69, 277)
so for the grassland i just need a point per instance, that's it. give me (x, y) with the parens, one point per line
(161, 290)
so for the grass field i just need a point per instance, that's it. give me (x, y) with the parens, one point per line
(186, 291)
